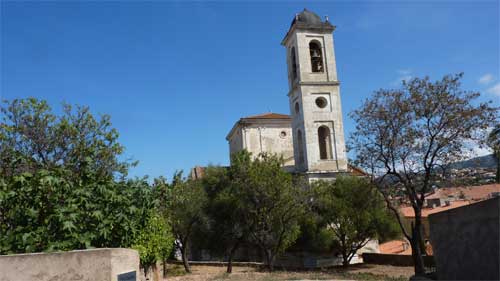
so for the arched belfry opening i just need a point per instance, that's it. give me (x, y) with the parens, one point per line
(316, 56)
(300, 148)
(325, 143)
(293, 61)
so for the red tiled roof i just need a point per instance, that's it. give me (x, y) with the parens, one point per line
(268, 115)
(409, 213)
(474, 193)
(400, 247)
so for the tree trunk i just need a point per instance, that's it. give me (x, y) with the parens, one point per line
(416, 244)
(185, 260)
(497, 178)
(230, 258)
(345, 261)
(164, 268)
(269, 260)
(156, 274)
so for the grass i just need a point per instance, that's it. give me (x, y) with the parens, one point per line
(175, 270)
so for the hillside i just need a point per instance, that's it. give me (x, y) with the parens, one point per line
(487, 162)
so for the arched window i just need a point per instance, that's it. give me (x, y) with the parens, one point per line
(297, 108)
(293, 61)
(316, 56)
(300, 146)
(325, 143)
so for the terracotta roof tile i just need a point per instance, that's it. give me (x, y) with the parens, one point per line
(474, 193)
(400, 247)
(409, 213)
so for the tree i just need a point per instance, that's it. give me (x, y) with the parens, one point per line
(227, 228)
(404, 136)
(186, 205)
(494, 143)
(34, 138)
(62, 184)
(354, 212)
(153, 241)
(45, 211)
(272, 203)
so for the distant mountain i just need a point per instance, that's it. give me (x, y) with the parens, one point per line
(487, 161)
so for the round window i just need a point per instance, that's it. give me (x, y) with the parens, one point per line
(297, 108)
(321, 102)
(283, 134)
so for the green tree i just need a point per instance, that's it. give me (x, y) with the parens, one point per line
(404, 135)
(272, 203)
(225, 226)
(154, 239)
(45, 211)
(354, 213)
(34, 138)
(494, 143)
(62, 184)
(186, 204)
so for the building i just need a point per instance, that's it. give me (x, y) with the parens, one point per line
(439, 200)
(311, 138)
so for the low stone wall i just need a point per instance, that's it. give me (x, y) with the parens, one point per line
(84, 265)
(465, 241)
(393, 259)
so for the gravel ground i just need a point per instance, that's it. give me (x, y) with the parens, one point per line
(358, 272)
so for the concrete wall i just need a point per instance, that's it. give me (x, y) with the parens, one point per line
(84, 265)
(465, 241)
(394, 259)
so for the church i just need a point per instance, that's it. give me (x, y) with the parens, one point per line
(311, 138)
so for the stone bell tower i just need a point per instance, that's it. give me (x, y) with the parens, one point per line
(314, 96)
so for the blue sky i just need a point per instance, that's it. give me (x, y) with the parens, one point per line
(175, 76)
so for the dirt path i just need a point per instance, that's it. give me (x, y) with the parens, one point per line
(240, 273)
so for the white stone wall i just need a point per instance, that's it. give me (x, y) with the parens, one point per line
(85, 265)
(264, 137)
(304, 91)
(302, 40)
(236, 141)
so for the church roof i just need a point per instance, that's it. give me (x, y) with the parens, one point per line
(268, 115)
(309, 21)
(264, 118)
(307, 17)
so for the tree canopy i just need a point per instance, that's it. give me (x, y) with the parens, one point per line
(354, 213)
(403, 136)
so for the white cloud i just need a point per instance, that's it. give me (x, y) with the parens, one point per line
(404, 71)
(480, 151)
(495, 90)
(486, 79)
(404, 74)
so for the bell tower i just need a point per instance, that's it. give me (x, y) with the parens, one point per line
(314, 97)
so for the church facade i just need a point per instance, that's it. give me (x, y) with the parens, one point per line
(311, 138)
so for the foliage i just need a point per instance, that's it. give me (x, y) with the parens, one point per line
(153, 241)
(353, 212)
(227, 228)
(33, 138)
(272, 203)
(404, 136)
(494, 143)
(46, 212)
(186, 204)
(62, 184)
